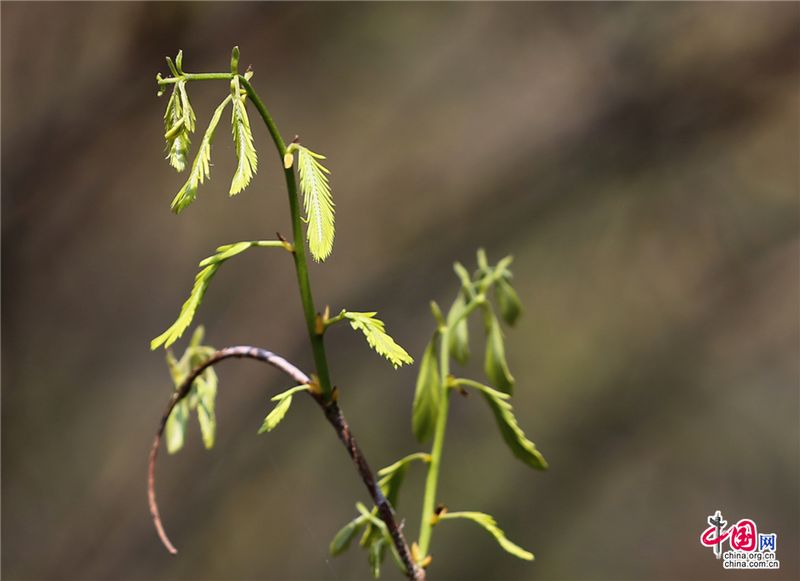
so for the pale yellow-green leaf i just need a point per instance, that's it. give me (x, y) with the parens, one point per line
(176, 132)
(209, 267)
(243, 144)
(201, 167)
(201, 397)
(284, 402)
(375, 332)
(206, 386)
(317, 202)
(175, 430)
(276, 415)
(188, 113)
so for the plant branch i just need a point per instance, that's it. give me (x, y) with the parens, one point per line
(326, 396)
(432, 480)
(182, 391)
(332, 413)
(301, 266)
(193, 77)
(335, 417)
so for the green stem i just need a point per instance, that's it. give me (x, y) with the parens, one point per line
(432, 481)
(420, 456)
(336, 319)
(301, 266)
(194, 77)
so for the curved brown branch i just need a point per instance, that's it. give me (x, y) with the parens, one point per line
(334, 416)
(182, 392)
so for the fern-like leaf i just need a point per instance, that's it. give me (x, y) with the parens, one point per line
(277, 414)
(209, 268)
(318, 202)
(189, 117)
(176, 131)
(201, 167)
(375, 332)
(243, 143)
(490, 525)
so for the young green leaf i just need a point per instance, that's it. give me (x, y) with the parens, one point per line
(175, 431)
(404, 462)
(196, 341)
(428, 394)
(189, 308)
(209, 268)
(463, 277)
(206, 386)
(459, 332)
(317, 201)
(346, 534)
(377, 550)
(188, 113)
(381, 526)
(201, 397)
(375, 332)
(201, 167)
(495, 364)
(391, 477)
(279, 411)
(176, 131)
(276, 415)
(483, 261)
(175, 367)
(490, 525)
(513, 435)
(243, 143)
(508, 301)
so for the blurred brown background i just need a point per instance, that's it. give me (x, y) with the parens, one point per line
(639, 160)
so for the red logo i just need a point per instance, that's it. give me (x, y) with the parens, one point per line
(742, 536)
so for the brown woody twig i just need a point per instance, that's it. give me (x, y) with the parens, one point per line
(334, 416)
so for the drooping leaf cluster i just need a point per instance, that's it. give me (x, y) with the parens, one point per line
(431, 386)
(201, 398)
(201, 166)
(179, 123)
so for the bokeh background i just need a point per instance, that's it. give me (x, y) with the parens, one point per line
(639, 160)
